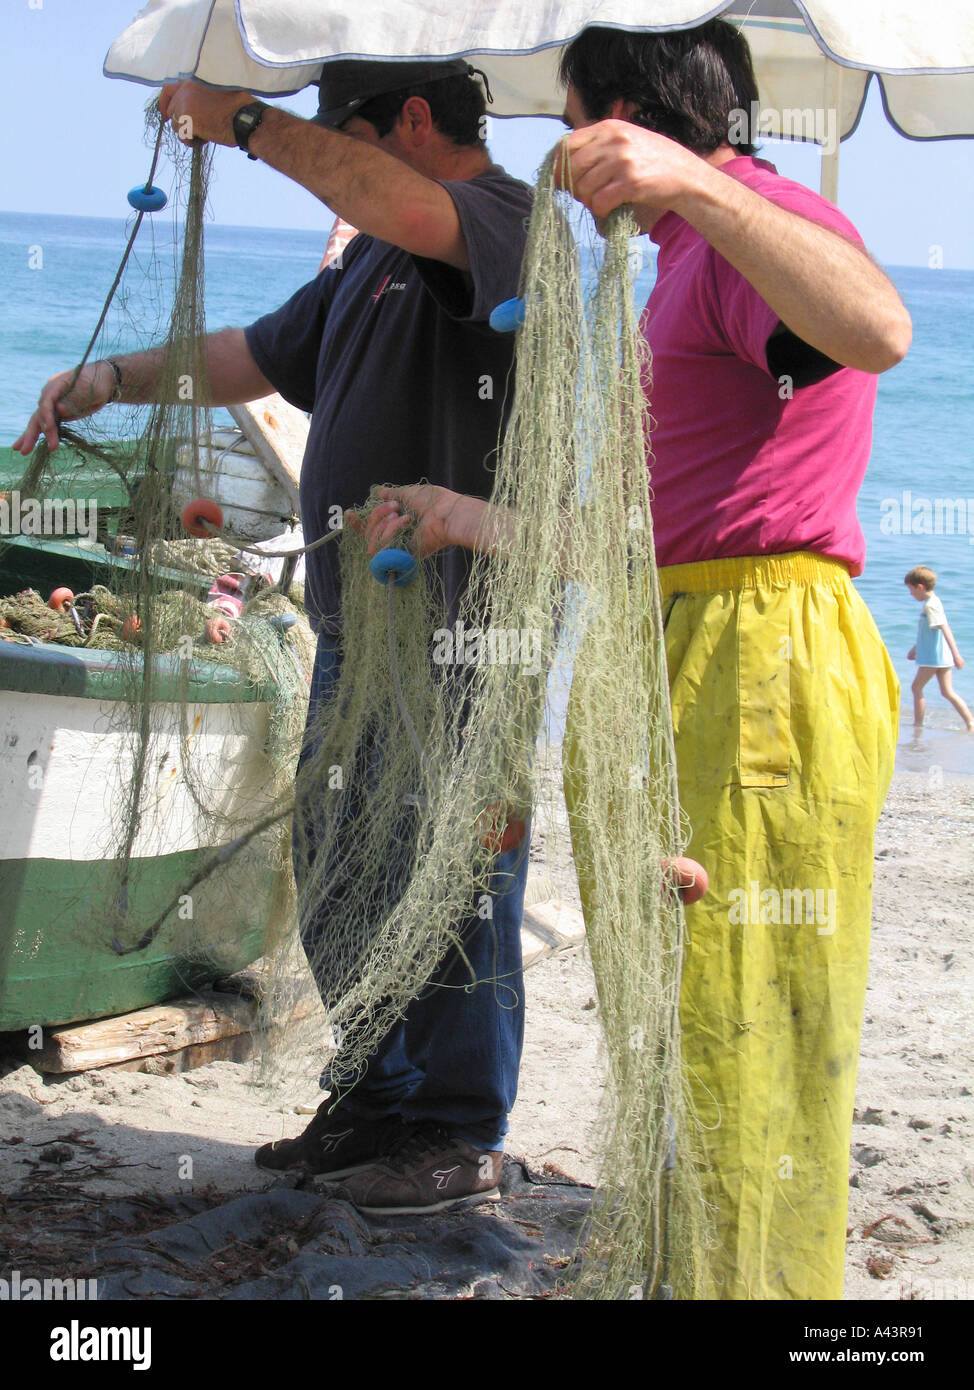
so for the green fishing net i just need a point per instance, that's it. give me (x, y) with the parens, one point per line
(423, 760)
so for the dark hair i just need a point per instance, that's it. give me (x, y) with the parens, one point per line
(456, 105)
(686, 84)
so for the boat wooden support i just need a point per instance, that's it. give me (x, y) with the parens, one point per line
(277, 433)
(548, 929)
(184, 1031)
(221, 1024)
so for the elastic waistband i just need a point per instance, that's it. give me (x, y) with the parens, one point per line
(753, 572)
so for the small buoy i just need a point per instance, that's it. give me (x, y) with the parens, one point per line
(131, 629)
(499, 830)
(197, 513)
(508, 316)
(283, 622)
(393, 562)
(686, 875)
(147, 199)
(218, 630)
(60, 600)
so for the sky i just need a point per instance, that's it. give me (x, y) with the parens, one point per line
(74, 145)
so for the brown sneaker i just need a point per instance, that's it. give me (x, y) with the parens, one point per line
(334, 1145)
(428, 1170)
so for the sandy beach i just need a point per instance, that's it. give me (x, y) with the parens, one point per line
(66, 1144)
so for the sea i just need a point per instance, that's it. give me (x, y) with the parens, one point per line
(916, 505)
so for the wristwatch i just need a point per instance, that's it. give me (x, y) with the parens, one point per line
(245, 122)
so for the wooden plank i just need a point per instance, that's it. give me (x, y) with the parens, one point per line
(145, 1032)
(549, 928)
(278, 433)
(188, 1026)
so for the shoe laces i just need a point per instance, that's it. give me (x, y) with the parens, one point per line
(419, 1142)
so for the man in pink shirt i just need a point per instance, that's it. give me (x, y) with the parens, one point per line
(768, 325)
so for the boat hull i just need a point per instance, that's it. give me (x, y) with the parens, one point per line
(72, 891)
(58, 968)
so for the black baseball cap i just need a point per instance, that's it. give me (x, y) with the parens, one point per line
(349, 83)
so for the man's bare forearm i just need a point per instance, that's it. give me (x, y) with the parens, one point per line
(380, 195)
(823, 287)
(232, 374)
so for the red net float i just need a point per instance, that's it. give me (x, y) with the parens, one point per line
(201, 518)
(689, 878)
(499, 830)
(61, 600)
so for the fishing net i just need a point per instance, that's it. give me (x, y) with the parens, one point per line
(421, 757)
(417, 764)
(154, 746)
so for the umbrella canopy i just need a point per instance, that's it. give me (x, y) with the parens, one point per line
(278, 46)
(814, 59)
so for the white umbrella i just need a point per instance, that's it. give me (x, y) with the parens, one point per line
(814, 58)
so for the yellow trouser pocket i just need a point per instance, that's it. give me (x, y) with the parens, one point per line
(764, 686)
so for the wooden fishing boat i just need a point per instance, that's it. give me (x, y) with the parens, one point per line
(68, 734)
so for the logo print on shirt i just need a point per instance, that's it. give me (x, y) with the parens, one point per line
(387, 285)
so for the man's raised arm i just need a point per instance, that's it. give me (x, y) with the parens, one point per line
(376, 192)
(823, 287)
(233, 377)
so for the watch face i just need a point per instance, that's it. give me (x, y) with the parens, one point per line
(244, 122)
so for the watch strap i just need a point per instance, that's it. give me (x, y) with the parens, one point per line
(245, 122)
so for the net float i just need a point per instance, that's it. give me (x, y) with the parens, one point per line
(218, 630)
(151, 199)
(508, 316)
(201, 518)
(131, 629)
(500, 831)
(686, 875)
(397, 565)
(61, 600)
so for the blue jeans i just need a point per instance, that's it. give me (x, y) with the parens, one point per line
(454, 1057)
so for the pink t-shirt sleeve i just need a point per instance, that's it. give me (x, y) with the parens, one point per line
(745, 320)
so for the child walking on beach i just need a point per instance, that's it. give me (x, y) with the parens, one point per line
(935, 651)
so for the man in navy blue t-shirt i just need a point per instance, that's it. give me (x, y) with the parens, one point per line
(391, 353)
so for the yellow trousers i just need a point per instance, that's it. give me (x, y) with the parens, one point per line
(786, 711)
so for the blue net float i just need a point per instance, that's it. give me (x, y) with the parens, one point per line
(392, 562)
(508, 315)
(283, 622)
(147, 199)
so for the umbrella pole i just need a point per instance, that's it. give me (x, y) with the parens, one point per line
(829, 185)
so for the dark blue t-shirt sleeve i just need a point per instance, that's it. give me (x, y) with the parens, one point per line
(285, 343)
(493, 217)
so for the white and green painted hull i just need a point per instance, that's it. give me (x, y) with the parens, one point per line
(68, 743)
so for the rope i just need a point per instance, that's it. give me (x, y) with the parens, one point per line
(118, 276)
(218, 535)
